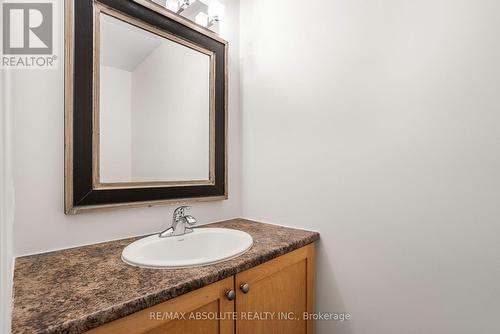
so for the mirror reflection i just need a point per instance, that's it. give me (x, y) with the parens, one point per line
(154, 109)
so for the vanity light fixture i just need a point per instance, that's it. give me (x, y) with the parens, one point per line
(212, 21)
(215, 12)
(205, 21)
(201, 19)
(178, 6)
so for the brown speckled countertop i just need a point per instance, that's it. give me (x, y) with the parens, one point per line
(74, 290)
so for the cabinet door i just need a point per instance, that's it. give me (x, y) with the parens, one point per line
(279, 292)
(166, 317)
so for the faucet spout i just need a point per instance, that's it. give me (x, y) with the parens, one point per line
(179, 222)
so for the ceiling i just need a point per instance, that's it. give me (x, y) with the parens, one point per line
(124, 46)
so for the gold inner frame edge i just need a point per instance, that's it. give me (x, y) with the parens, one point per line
(98, 9)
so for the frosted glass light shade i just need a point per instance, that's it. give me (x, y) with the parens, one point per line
(172, 5)
(202, 19)
(215, 9)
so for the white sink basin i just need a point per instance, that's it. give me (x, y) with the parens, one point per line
(201, 247)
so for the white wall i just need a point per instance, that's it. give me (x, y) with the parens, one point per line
(115, 125)
(40, 224)
(378, 124)
(6, 202)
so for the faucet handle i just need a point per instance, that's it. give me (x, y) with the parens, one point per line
(190, 220)
(180, 210)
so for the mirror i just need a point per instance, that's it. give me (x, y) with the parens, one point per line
(154, 106)
(145, 107)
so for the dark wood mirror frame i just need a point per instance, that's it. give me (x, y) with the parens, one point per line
(82, 194)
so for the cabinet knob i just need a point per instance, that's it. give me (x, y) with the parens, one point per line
(230, 294)
(245, 287)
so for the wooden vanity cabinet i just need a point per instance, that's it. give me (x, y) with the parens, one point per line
(279, 291)
(269, 298)
(173, 316)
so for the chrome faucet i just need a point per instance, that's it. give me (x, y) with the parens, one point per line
(179, 222)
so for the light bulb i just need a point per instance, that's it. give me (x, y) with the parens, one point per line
(172, 5)
(201, 19)
(215, 10)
